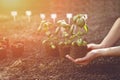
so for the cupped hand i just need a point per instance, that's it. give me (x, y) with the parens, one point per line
(92, 46)
(87, 59)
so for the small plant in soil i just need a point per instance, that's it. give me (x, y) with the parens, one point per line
(63, 43)
(49, 40)
(79, 45)
(78, 49)
(63, 38)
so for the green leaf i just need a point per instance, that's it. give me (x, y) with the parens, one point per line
(57, 30)
(53, 46)
(66, 34)
(84, 43)
(60, 43)
(86, 27)
(73, 36)
(73, 43)
(41, 25)
(80, 22)
(79, 42)
(75, 18)
(60, 22)
(44, 41)
(48, 33)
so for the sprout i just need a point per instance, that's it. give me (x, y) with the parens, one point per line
(84, 43)
(80, 22)
(48, 33)
(44, 41)
(52, 45)
(73, 36)
(60, 43)
(57, 30)
(80, 19)
(79, 42)
(46, 25)
(73, 43)
(59, 22)
(41, 24)
(76, 17)
(62, 23)
(65, 34)
(86, 27)
(69, 34)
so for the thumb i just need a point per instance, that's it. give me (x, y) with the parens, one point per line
(81, 60)
(90, 45)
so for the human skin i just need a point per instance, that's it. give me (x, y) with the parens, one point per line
(104, 48)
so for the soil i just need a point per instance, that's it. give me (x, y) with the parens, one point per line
(3, 52)
(33, 65)
(49, 51)
(64, 50)
(78, 51)
(17, 49)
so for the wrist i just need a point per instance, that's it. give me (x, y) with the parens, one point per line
(103, 52)
(103, 45)
(97, 52)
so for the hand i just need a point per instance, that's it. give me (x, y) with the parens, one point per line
(94, 46)
(88, 58)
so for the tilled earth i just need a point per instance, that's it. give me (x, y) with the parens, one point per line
(33, 65)
(36, 68)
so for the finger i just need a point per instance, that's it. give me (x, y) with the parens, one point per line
(70, 58)
(90, 46)
(81, 60)
(73, 60)
(82, 64)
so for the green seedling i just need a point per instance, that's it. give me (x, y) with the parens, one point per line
(52, 45)
(86, 27)
(41, 25)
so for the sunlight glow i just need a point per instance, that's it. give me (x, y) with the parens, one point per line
(10, 3)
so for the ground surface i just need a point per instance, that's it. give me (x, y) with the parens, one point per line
(34, 66)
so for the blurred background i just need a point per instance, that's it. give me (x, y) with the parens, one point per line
(96, 9)
(101, 13)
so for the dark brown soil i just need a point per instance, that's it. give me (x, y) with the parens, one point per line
(33, 65)
(3, 52)
(78, 51)
(49, 51)
(63, 50)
